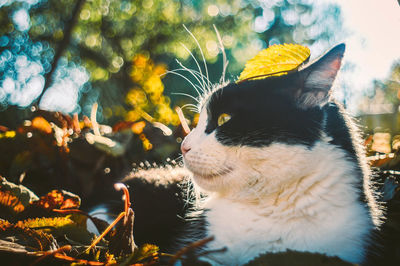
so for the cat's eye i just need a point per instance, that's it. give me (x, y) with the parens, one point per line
(223, 118)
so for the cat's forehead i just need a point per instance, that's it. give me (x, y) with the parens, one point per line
(249, 95)
(260, 112)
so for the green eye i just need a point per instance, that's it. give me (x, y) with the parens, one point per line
(223, 118)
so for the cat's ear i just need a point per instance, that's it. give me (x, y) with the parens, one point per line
(317, 78)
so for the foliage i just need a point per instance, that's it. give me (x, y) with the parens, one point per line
(380, 116)
(148, 96)
(58, 199)
(384, 95)
(15, 197)
(31, 239)
(43, 235)
(60, 227)
(52, 150)
(87, 50)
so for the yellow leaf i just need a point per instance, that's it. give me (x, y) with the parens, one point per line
(31, 239)
(147, 253)
(58, 199)
(58, 227)
(276, 60)
(42, 125)
(138, 127)
(8, 134)
(46, 222)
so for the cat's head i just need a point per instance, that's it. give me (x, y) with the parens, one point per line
(242, 126)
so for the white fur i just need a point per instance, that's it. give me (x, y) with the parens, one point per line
(278, 197)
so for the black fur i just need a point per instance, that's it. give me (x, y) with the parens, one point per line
(263, 111)
(336, 128)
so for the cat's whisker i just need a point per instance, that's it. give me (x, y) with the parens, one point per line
(188, 105)
(187, 95)
(201, 51)
(197, 64)
(191, 107)
(194, 110)
(188, 80)
(192, 72)
(179, 158)
(225, 62)
(196, 74)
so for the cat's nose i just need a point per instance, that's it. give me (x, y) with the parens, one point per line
(184, 148)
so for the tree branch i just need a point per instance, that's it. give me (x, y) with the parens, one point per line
(61, 47)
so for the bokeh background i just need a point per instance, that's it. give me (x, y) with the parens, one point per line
(59, 59)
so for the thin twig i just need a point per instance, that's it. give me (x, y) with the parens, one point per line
(51, 253)
(118, 187)
(189, 248)
(77, 211)
(108, 229)
(62, 46)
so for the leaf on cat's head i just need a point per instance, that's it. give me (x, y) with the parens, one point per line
(276, 60)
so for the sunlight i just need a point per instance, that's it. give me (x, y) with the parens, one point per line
(21, 19)
(63, 95)
(372, 44)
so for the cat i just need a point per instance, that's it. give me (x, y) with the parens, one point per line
(282, 168)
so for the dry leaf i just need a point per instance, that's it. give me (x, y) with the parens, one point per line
(30, 239)
(59, 227)
(15, 198)
(42, 125)
(58, 199)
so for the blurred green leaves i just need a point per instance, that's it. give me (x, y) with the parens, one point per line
(108, 34)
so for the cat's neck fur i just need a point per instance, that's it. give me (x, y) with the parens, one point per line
(303, 210)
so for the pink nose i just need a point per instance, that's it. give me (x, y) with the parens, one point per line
(184, 148)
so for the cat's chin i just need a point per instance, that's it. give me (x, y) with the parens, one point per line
(213, 175)
(211, 181)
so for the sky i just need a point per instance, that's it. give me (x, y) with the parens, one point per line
(373, 38)
(372, 43)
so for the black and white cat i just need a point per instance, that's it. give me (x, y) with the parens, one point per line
(282, 168)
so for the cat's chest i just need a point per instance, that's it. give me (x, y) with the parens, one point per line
(243, 233)
(247, 232)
